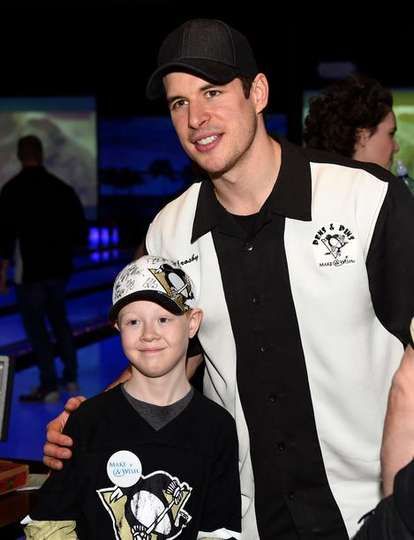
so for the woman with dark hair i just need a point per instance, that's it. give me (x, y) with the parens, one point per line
(354, 118)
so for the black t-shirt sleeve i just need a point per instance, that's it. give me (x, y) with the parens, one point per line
(60, 495)
(390, 262)
(393, 518)
(404, 495)
(222, 510)
(384, 523)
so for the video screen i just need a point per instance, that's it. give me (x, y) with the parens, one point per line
(67, 129)
(404, 113)
(140, 156)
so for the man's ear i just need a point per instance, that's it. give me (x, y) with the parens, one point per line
(195, 317)
(260, 92)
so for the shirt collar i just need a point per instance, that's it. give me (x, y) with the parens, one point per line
(291, 196)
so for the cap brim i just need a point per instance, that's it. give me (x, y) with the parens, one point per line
(211, 71)
(151, 296)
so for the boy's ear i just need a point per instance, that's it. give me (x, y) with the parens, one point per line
(116, 325)
(195, 318)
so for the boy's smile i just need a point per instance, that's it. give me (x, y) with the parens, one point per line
(154, 340)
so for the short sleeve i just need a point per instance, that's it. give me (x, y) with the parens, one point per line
(390, 262)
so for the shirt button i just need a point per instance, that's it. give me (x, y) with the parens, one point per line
(273, 398)
(291, 495)
(248, 247)
(262, 349)
(256, 300)
(281, 446)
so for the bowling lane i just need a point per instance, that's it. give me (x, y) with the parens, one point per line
(80, 281)
(80, 311)
(99, 364)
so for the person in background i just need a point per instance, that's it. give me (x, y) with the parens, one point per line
(353, 118)
(41, 223)
(304, 263)
(154, 459)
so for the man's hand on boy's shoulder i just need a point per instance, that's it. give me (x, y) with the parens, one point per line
(56, 447)
(57, 444)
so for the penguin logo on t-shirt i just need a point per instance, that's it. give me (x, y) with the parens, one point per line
(151, 507)
(154, 508)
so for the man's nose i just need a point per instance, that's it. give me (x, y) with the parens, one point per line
(198, 115)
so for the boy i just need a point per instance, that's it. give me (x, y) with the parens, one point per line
(153, 459)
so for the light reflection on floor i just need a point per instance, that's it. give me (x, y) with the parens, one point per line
(99, 364)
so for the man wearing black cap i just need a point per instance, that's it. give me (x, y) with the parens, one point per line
(307, 294)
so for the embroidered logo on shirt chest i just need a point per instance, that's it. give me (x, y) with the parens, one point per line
(333, 245)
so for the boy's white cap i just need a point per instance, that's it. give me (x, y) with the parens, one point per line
(154, 279)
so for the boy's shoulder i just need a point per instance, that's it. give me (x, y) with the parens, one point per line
(211, 410)
(211, 427)
(99, 404)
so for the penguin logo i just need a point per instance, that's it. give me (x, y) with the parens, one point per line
(175, 283)
(144, 507)
(334, 244)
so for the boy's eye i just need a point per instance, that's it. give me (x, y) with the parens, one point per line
(163, 320)
(132, 322)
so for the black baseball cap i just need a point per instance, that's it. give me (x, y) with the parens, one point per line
(207, 48)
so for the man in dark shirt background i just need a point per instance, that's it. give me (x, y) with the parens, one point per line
(41, 223)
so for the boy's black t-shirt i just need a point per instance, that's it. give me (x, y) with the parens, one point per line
(126, 479)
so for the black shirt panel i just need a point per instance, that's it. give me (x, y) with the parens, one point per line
(272, 381)
(390, 261)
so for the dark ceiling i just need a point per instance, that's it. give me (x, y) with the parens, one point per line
(111, 50)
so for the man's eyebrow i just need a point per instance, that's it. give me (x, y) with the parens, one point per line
(203, 88)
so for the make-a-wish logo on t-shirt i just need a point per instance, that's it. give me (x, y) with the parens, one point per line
(333, 245)
(144, 507)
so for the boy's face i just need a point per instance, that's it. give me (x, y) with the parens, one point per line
(154, 340)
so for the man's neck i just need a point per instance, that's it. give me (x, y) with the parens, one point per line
(244, 190)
